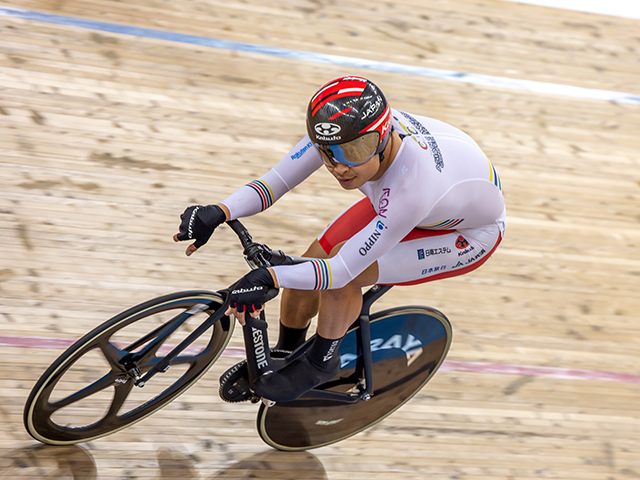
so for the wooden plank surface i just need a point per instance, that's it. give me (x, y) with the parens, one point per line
(105, 138)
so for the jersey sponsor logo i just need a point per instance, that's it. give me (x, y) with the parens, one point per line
(425, 137)
(466, 250)
(429, 252)
(372, 239)
(461, 242)
(429, 270)
(383, 203)
(301, 152)
(471, 259)
(414, 135)
(476, 256)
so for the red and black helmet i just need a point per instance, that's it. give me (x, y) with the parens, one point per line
(345, 109)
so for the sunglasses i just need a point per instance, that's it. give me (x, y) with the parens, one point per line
(354, 153)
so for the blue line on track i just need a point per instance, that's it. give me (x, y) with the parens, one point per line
(352, 62)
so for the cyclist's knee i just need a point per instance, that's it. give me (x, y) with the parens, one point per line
(365, 279)
(315, 250)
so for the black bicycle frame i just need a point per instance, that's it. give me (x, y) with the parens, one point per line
(167, 329)
(364, 363)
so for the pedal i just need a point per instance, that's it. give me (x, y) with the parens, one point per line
(234, 383)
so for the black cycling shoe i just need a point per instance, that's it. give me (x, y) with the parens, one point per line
(295, 379)
(234, 383)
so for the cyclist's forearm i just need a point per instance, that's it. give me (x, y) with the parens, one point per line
(255, 197)
(260, 194)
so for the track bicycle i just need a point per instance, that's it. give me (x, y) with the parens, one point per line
(145, 357)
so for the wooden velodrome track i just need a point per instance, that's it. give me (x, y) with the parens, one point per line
(106, 137)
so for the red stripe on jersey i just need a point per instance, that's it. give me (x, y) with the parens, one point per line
(348, 224)
(355, 219)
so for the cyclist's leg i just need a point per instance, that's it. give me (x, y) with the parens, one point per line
(298, 307)
(321, 362)
(341, 306)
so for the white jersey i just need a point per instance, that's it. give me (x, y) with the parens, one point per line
(439, 180)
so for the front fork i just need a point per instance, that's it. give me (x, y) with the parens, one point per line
(256, 344)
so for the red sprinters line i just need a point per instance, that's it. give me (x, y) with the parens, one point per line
(447, 366)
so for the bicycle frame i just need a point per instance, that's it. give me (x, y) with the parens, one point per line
(255, 256)
(167, 329)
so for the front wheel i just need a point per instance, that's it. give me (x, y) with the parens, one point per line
(408, 345)
(88, 392)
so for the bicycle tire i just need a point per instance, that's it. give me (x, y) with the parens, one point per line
(40, 407)
(408, 346)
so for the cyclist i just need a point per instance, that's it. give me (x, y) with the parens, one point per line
(433, 209)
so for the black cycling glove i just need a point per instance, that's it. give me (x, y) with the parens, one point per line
(198, 223)
(252, 290)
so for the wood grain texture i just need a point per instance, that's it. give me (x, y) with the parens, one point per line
(106, 138)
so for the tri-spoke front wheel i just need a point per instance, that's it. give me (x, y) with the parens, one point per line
(89, 392)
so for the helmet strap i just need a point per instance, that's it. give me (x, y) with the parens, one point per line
(383, 145)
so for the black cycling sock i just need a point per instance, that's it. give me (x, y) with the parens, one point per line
(290, 338)
(322, 350)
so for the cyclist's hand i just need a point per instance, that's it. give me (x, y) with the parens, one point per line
(250, 293)
(198, 223)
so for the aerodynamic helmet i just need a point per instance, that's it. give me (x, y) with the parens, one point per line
(349, 121)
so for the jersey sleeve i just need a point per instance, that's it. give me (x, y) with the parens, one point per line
(260, 194)
(365, 247)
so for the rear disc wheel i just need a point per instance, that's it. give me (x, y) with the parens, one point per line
(408, 345)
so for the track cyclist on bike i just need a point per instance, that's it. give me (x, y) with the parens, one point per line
(433, 209)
